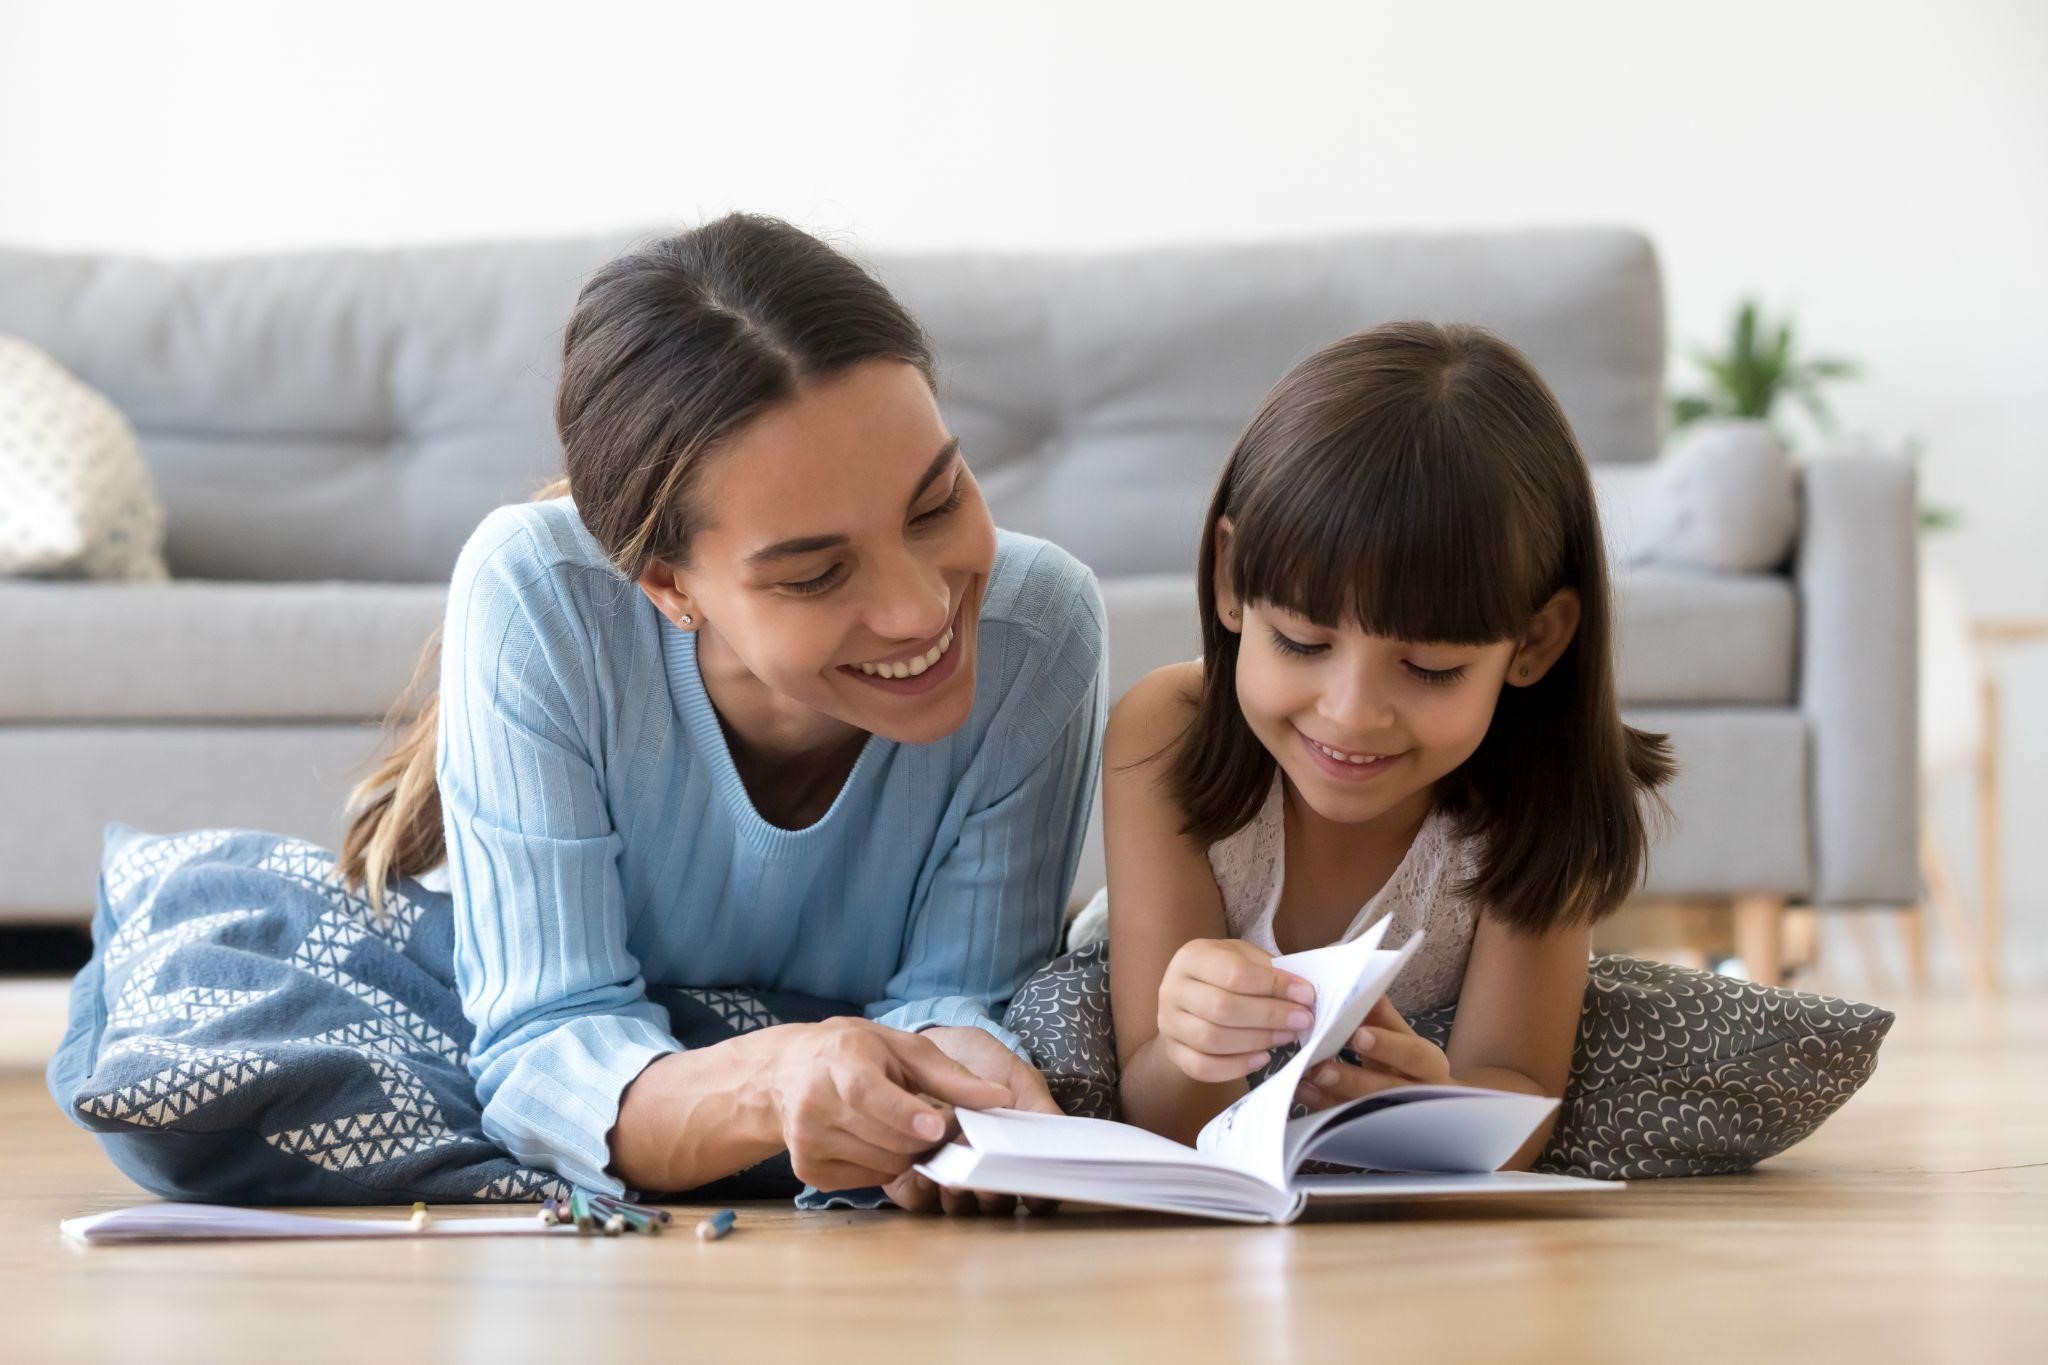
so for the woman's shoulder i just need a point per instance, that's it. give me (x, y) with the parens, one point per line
(531, 535)
(1037, 586)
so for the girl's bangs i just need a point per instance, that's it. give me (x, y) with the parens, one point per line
(1406, 544)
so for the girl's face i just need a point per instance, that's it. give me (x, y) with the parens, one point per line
(844, 557)
(1361, 724)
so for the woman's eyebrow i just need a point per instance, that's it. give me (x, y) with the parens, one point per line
(808, 545)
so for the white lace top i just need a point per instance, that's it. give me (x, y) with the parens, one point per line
(1250, 868)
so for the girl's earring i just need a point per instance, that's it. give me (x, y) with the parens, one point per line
(1233, 613)
(1525, 670)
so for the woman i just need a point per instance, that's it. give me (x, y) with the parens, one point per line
(766, 702)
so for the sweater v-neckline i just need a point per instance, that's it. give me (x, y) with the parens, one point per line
(693, 705)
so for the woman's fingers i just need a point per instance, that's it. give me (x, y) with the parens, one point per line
(939, 1076)
(913, 1193)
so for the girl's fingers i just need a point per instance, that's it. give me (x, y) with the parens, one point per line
(1202, 1066)
(1232, 1010)
(1338, 1082)
(1384, 1015)
(1413, 1056)
(1203, 1035)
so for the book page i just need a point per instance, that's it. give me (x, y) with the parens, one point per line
(1013, 1132)
(1251, 1134)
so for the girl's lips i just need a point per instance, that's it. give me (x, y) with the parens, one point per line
(947, 664)
(1343, 770)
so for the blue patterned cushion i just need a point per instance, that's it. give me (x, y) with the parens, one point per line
(249, 1031)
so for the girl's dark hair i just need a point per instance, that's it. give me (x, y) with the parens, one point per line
(672, 348)
(1422, 482)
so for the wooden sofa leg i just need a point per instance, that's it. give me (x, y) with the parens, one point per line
(1760, 938)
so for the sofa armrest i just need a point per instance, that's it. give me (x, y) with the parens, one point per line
(1858, 578)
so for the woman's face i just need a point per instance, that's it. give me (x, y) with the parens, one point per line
(843, 558)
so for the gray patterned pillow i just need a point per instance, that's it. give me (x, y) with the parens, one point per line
(1675, 1072)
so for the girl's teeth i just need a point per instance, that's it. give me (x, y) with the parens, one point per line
(910, 668)
(1342, 757)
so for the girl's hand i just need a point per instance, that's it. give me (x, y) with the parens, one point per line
(1390, 1054)
(1223, 1007)
(982, 1053)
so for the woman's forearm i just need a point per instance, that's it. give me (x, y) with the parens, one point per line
(1159, 1096)
(695, 1116)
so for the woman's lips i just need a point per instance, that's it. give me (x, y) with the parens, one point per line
(920, 672)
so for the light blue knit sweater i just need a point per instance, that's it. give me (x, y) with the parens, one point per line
(599, 837)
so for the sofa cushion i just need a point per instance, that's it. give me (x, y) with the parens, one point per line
(1686, 637)
(199, 651)
(354, 414)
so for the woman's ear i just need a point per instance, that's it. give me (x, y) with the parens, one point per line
(1544, 640)
(665, 588)
(1229, 611)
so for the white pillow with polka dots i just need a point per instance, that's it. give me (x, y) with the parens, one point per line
(75, 496)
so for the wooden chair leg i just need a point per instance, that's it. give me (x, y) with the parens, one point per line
(1991, 886)
(1913, 932)
(1948, 907)
(1760, 938)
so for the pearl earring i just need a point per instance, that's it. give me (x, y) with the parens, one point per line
(1233, 613)
(688, 620)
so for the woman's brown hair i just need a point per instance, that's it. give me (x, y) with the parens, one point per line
(1422, 482)
(671, 349)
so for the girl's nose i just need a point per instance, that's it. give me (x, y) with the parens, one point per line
(1356, 707)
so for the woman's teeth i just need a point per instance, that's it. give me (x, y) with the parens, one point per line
(910, 668)
(1343, 757)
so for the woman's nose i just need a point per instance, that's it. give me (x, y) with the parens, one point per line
(910, 600)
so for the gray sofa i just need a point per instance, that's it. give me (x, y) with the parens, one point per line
(325, 429)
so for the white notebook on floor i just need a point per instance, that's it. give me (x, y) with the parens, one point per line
(1246, 1165)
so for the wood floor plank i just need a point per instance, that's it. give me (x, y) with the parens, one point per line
(1914, 1226)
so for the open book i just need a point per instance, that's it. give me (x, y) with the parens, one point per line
(1246, 1164)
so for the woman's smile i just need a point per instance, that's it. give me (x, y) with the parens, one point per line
(917, 669)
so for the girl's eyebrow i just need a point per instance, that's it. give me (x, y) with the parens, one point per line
(807, 545)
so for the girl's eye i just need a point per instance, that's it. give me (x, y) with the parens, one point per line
(1436, 677)
(824, 582)
(1287, 644)
(939, 513)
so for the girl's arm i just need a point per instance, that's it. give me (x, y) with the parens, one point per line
(1163, 899)
(1518, 1015)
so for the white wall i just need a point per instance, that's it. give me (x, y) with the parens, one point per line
(1880, 168)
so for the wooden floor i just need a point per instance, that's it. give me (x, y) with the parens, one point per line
(1913, 1227)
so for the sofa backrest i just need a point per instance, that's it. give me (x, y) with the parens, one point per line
(353, 414)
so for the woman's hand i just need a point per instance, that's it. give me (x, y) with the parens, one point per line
(859, 1102)
(982, 1053)
(1390, 1054)
(1223, 1007)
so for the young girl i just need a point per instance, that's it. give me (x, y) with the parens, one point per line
(1405, 709)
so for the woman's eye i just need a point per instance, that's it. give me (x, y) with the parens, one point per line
(1287, 644)
(824, 582)
(940, 512)
(1436, 677)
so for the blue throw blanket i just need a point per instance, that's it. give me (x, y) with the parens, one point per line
(250, 1031)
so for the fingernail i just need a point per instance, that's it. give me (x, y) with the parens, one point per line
(1326, 1075)
(1300, 1019)
(1363, 1042)
(1301, 993)
(929, 1127)
(1259, 1061)
(1281, 1037)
